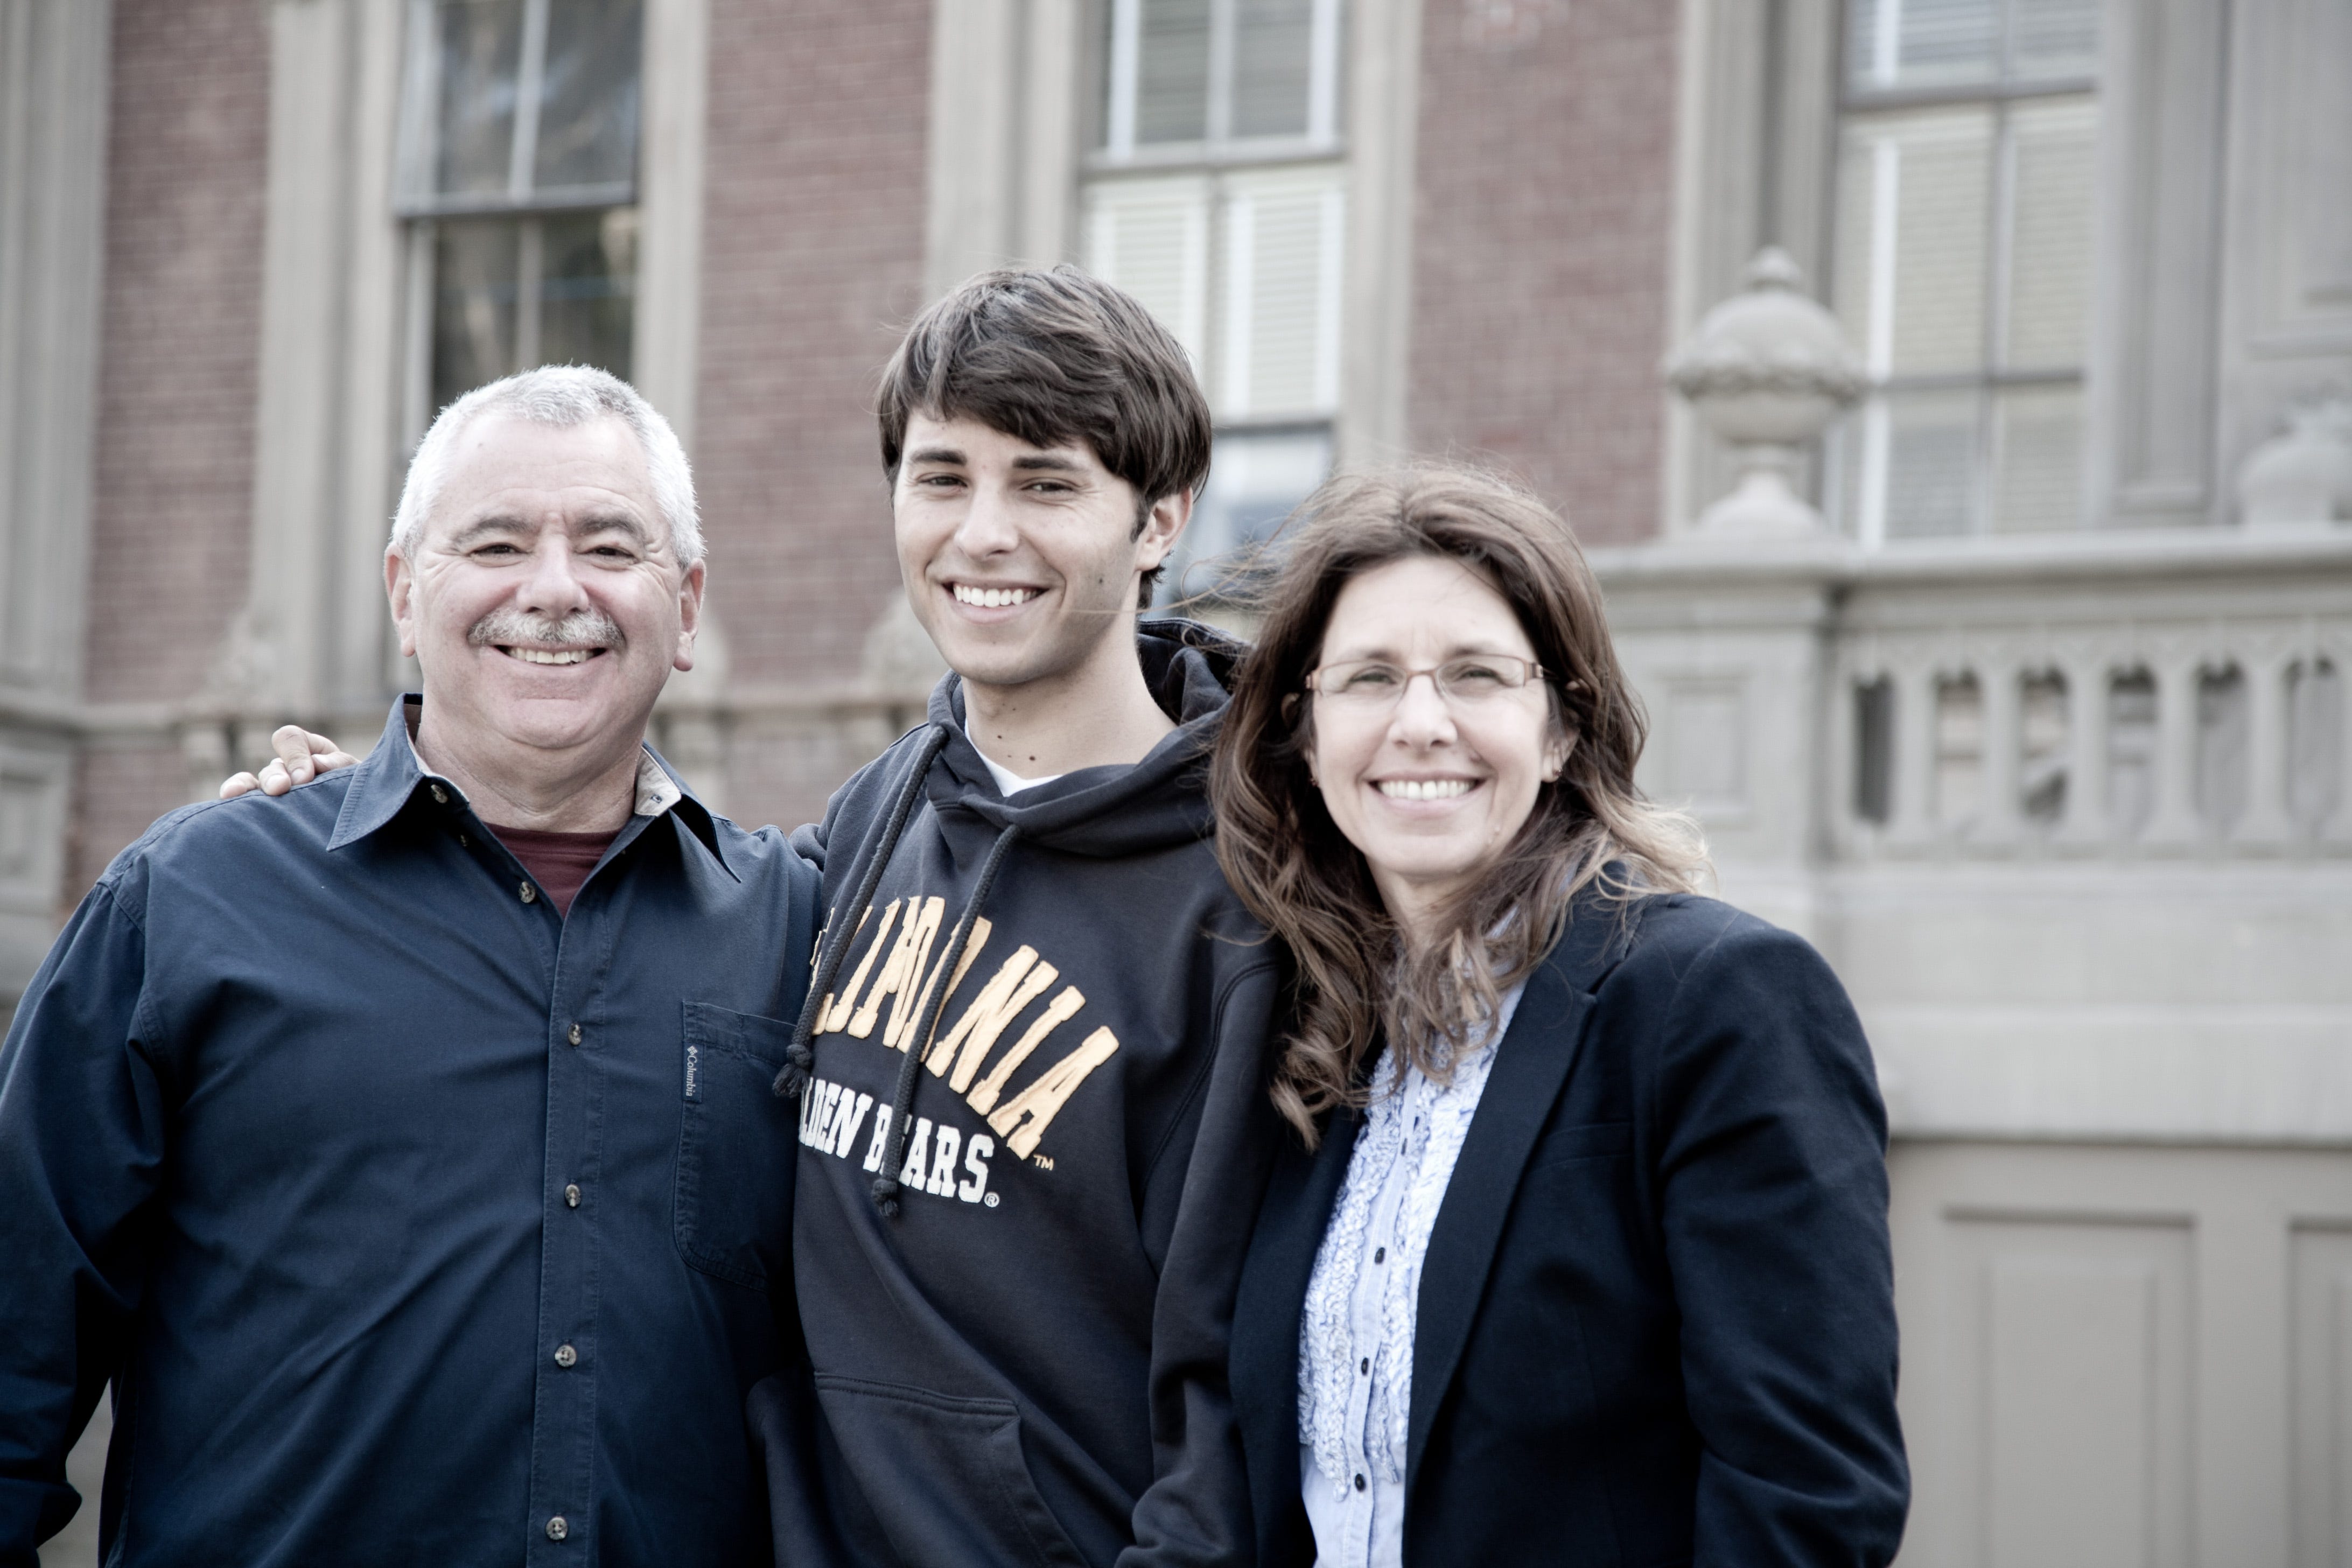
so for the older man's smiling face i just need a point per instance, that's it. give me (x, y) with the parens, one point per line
(546, 604)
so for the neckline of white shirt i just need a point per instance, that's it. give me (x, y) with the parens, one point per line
(1008, 783)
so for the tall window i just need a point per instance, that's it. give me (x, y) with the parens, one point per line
(1963, 261)
(1215, 193)
(518, 162)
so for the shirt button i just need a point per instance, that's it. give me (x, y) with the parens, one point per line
(572, 1196)
(556, 1529)
(1367, 1368)
(1379, 1255)
(464, 842)
(1359, 1484)
(575, 1035)
(526, 892)
(440, 795)
(565, 1355)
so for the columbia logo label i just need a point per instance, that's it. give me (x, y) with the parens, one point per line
(693, 1072)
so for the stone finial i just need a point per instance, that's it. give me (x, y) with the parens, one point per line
(2302, 475)
(1767, 370)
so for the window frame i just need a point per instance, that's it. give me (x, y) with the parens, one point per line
(415, 197)
(1110, 145)
(1223, 174)
(1867, 425)
(419, 210)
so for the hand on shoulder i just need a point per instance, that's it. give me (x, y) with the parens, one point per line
(301, 757)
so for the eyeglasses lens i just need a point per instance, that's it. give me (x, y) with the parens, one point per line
(1371, 684)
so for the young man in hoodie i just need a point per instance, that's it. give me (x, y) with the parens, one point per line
(1032, 1115)
(1033, 1108)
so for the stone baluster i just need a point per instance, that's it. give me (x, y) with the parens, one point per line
(2173, 820)
(2084, 821)
(1999, 820)
(1840, 756)
(2265, 822)
(2338, 830)
(1914, 760)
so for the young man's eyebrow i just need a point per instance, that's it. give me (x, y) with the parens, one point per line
(1050, 462)
(937, 454)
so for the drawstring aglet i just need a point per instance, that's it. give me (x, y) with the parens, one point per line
(792, 1078)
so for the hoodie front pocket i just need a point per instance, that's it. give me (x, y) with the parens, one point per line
(944, 1476)
(736, 1146)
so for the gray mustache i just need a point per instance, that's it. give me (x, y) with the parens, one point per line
(510, 625)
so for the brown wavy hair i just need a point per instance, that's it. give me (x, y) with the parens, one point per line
(1356, 977)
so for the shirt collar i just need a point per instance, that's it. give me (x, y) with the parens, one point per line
(392, 775)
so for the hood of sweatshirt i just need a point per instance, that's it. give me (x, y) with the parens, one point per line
(1108, 812)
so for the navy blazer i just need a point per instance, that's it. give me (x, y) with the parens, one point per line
(1656, 1322)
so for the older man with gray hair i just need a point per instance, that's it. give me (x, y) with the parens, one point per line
(407, 1161)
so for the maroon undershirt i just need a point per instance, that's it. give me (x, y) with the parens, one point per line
(558, 862)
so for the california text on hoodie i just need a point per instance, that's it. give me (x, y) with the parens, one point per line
(1017, 1285)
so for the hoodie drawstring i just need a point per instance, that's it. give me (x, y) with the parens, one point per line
(799, 1059)
(918, 1044)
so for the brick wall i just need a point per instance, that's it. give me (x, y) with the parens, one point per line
(187, 169)
(1541, 257)
(813, 262)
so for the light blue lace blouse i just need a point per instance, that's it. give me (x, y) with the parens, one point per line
(1355, 1338)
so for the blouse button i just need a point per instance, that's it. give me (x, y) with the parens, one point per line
(1360, 1483)
(526, 892)
(1365, 1369)
(1379, 1255)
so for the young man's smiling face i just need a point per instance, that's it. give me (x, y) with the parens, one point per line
(1021, 560)
(546, 604)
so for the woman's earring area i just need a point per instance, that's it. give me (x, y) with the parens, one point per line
(1556, 759)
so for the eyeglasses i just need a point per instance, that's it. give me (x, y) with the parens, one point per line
(1375, 686)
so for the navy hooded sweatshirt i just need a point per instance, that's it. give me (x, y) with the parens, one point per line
(1027, 1362)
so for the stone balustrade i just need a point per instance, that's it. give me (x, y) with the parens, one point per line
(2110, 695)
(2071, 814)
(2168, 698)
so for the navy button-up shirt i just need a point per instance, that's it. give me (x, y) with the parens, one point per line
(413, 1222)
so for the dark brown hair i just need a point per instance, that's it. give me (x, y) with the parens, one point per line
(1290, 864)
(1055, 356)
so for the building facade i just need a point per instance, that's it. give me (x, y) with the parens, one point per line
(2040, 732)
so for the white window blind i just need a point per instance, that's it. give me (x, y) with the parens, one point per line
(1150, 237)
(1245, 268)
(1216, 193)
(1283, 235)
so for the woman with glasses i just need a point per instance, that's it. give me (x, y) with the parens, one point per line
(1577, 1251)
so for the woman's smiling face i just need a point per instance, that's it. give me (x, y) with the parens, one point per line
(1430, 789)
